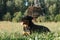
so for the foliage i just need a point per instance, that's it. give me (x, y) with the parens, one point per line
(17, 36)
(41, 19)
(46, 18)
(49, 18)
(49, 7)
(7, 17)
(52, 9)
(57, 17)
(17, 17)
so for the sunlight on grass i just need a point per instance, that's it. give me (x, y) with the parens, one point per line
(13, 31)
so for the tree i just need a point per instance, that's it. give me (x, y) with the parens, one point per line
(57, 7)
(2, 8)
(7, 17)
(17, 17)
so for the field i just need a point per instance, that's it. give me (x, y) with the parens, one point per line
(13, 31)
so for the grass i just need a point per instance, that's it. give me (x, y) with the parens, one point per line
(36, 36)
(13, 31)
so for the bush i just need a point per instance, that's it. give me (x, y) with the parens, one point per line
(57, 17)
(49, 18)
(17, 17)
(45, 18)
(7, 17)
(41, 19)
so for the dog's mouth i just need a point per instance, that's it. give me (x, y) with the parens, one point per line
(24, 23)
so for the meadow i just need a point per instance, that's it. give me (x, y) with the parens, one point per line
(13, 31)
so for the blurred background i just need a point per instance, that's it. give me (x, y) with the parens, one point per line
(41, 10)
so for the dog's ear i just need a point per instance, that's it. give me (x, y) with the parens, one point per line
(27, 18)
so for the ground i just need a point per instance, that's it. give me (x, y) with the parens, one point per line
(17, 27)
(13, 31)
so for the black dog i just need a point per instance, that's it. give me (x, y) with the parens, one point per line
(30, 27)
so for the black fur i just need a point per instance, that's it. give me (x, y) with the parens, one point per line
(33, 27)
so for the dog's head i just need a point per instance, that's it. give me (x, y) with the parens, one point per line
(26, 20)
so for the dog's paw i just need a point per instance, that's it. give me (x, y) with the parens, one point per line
(26, 33)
